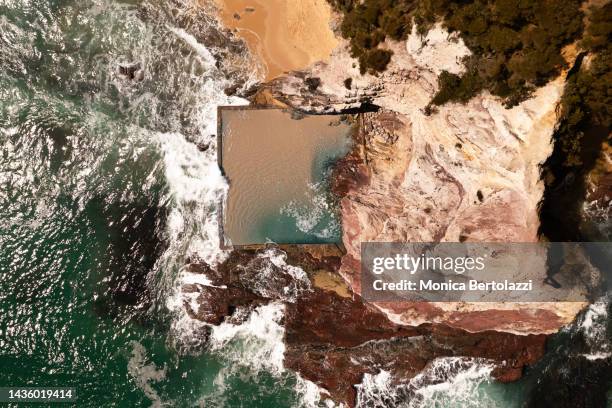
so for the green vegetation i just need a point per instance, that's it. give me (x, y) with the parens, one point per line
(587, 101)
(584, 126)
(516, 47)
(369, 23)
(375, 60)
(516, 44)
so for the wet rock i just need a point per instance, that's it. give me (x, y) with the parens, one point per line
(247, 278)
(229, 51)
(215, 304)
(132, 71)
(214, 275)
(333, 341)
(406, 181)
(203, 147)
(312, 258)
(297, 115)
(220, 291)
(232, 90)
(350, 172)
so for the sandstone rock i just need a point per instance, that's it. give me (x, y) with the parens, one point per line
(333, 341)
(463, 173)
(247, 278)
(332, 338)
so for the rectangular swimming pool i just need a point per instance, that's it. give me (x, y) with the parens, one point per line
(278, 167)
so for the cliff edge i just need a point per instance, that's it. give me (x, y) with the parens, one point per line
(457, 173)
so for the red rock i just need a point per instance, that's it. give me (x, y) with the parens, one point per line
(333, 341)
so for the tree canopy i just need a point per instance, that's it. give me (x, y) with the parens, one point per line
(516, 44)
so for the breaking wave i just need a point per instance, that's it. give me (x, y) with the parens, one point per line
(251, 345)
(594, 325)
(445, 382)
(315, 216)
(256, 343)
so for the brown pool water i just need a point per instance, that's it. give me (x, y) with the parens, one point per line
(278, 170)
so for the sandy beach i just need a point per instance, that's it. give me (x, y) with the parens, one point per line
(286, 34)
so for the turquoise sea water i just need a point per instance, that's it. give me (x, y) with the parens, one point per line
(84, 203)
(312, 221)
(103, 196)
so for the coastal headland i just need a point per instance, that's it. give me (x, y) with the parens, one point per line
(462, 172)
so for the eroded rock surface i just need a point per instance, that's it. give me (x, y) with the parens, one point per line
(459, 173)
(334, 340)
(455, 173)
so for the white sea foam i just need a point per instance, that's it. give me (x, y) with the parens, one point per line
(257, 343)
(376, 391)
(597, 356)
(596, 313)
(457, 384)
(447, 381)
(593, 325)
(206, 56)
(144, 373)
(269, 262)
(279, 259)
(196, 187)
(314, 217)
(597, 214)
(312, 396)
(195, 180)
(194, 278)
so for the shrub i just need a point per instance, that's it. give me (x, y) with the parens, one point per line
(516, 44)
(375, 60)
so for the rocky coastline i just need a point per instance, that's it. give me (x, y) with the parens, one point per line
(462, 173)
(334, 340)
(457, 173)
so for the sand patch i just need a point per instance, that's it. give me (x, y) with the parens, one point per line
(331, 282)
(287, 35)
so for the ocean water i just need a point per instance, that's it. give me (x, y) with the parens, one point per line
(103, 194)
(109, 182)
